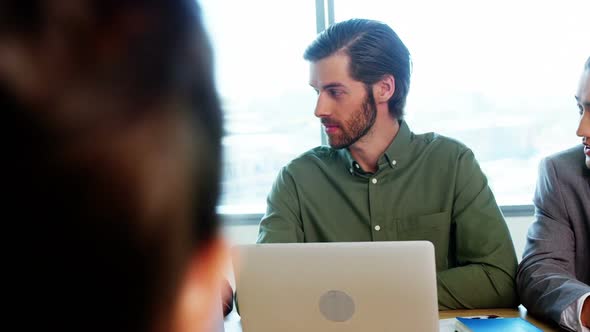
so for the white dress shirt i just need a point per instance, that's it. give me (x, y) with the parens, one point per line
(571, 317)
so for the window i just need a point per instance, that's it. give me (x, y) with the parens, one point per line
(499, 76)
(262, 81)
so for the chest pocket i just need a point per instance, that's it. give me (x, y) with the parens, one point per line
(435, 228)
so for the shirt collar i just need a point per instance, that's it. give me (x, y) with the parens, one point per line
(393, 155)
(400, 146)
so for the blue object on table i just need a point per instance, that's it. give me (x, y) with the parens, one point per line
(494, 324)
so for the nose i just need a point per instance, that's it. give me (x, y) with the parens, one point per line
(322, 107)
(584, 126)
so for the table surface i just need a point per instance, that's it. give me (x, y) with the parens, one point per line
(232, 321)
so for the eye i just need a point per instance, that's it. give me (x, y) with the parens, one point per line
(581, 109)
(335, 92)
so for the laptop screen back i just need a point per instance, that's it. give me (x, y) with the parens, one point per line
(358, 286)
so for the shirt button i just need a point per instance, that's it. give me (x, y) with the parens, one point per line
(374, 181)
(377, 228)
(394, 162)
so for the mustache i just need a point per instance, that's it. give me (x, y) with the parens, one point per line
(329, 122)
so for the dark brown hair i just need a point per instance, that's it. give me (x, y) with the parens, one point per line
(112, 158)
(375, 50)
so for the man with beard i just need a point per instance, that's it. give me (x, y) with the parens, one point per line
(378, 181)
(554, 275)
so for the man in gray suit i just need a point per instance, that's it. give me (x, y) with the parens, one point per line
(553, 278)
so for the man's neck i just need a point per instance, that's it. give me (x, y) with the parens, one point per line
(367, 150)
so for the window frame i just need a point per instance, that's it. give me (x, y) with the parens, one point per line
(324, 11)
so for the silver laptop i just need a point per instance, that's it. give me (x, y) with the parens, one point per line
(358, 286)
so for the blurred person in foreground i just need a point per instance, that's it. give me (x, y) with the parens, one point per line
(111, 164)
(554, 276)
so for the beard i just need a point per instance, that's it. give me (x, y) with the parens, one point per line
(353, 129)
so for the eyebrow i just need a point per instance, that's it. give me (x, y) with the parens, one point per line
(330, 85)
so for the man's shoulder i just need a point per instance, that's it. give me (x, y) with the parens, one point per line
(573, 155)
(311, 158)
(567, 163)
(440, 144)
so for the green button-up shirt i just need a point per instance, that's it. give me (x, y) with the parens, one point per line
(426, 187)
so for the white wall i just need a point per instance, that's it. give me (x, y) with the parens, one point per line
(518, 226)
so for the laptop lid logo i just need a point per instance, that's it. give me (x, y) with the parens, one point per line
(337, 306)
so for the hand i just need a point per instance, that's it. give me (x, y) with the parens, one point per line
(227, 298)
(586, 313)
